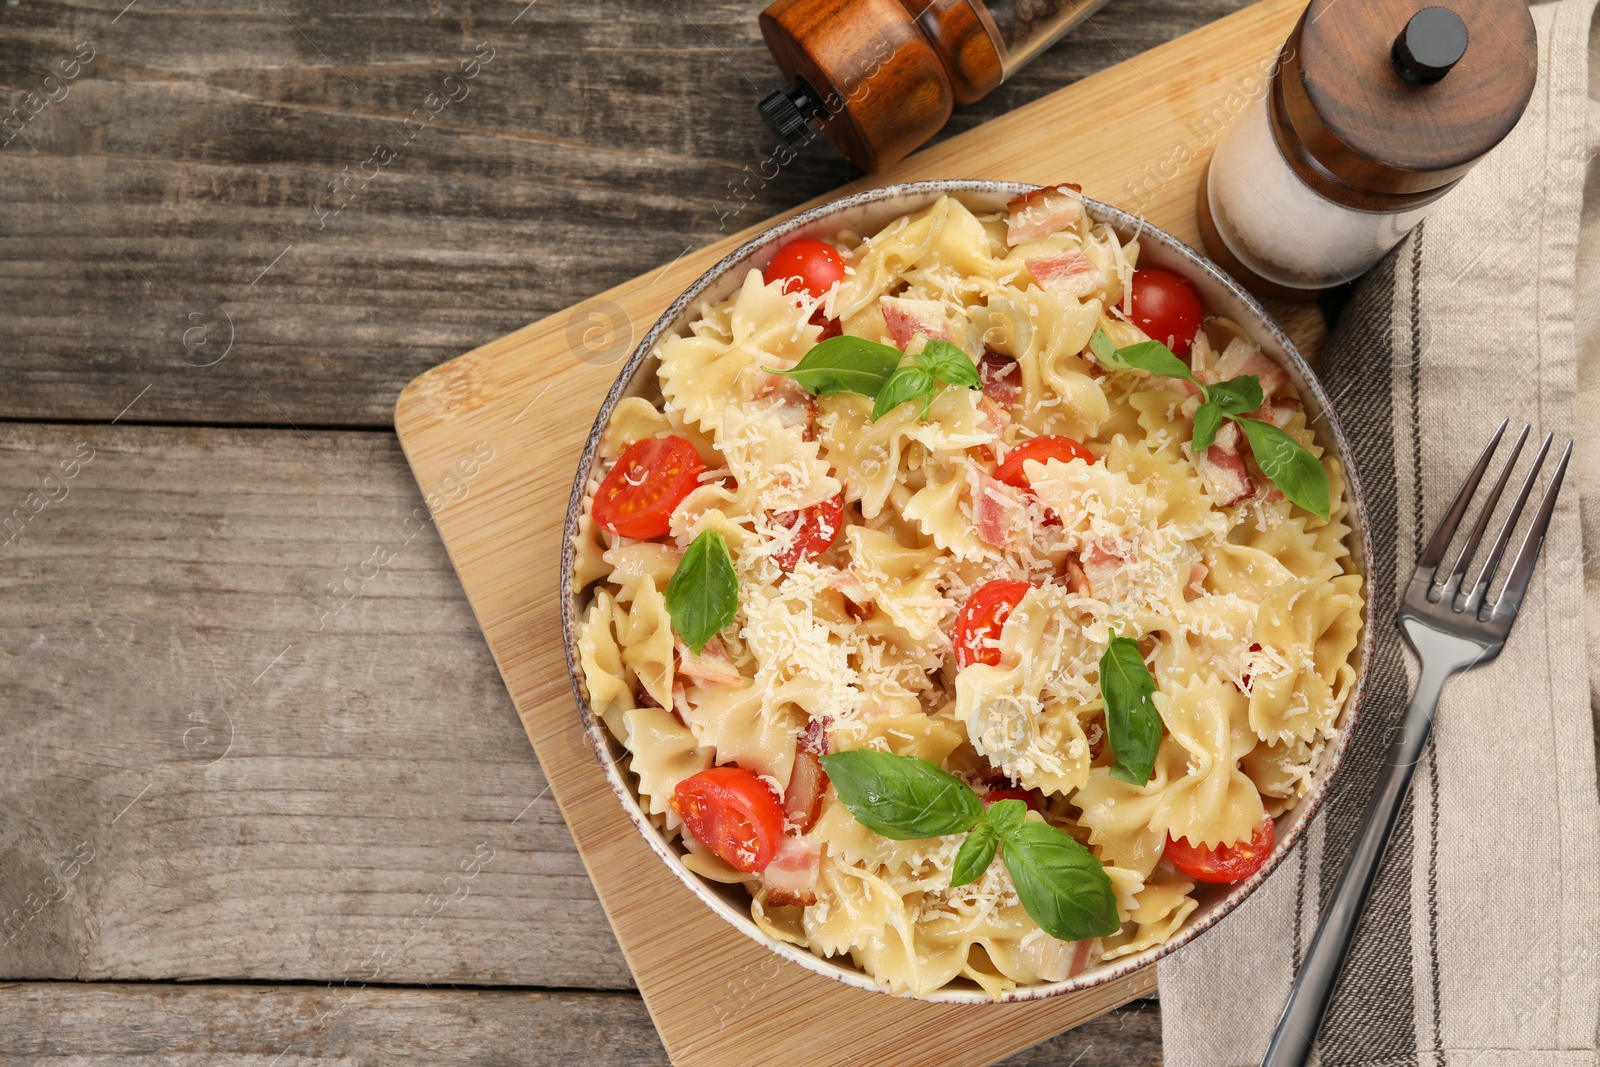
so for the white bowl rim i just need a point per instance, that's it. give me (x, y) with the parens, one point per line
(601, 742)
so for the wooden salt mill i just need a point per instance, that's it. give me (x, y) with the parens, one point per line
(881, 76)
(1375, 110)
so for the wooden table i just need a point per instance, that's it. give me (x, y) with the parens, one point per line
(264, 799)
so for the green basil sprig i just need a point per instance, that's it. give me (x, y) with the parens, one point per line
(844, 364)
(1133, 725)
(703, 593)
(1061, 885)
(1286, 462)
(939, 361)
(847, 364)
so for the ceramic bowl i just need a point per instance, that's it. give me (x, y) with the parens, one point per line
(866, 213)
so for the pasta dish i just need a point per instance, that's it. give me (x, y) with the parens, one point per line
(975, 489)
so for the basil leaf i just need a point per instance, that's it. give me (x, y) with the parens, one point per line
(1062, 886)
(949, 364)
(907, 383)
(1133, 725)
(1290, 465)
(902, 797)
(1236, 396)
(1104, 348)
(1006, 815)
(1152, 356)
(975, 855)
(844, 364)
(1207, 421)
(703, 593)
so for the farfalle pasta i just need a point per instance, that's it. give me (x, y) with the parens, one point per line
(861, 547)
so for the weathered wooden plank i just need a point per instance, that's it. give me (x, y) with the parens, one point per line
(281, 1026)
(170, 231)
(213, 766)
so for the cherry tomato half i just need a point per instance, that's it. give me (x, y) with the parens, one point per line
(830, 327)
(1051, 446)
(818, 526)
(1167, 308)
(982, 618)
(650, 478)
(808, 264)
(733, 813)
(1027, 796)
(1225, 863)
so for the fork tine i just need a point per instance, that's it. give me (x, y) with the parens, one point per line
(1480, 589)
(1447, 526)
(1505, 609)
(1470, 548)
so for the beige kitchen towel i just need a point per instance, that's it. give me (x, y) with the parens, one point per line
(1481, 944)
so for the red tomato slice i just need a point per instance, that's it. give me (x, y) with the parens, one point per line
(1167, 308)
(1051, 446)
(650, 478)
(733, 813)
(818, 527)
(830, 327)
(1225, 863)
(806, 264)
(982, 618)
(1027, 796)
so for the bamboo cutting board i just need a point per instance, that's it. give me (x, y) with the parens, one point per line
(494, 437)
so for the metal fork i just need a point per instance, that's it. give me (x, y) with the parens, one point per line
(1451, 630)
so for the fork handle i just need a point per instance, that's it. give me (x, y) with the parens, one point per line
(1319, 973)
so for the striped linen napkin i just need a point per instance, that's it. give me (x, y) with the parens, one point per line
(1481, 944)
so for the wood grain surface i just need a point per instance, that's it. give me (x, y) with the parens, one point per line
(271, 781)
(287, 1026)
(165, 262)
(147, 210)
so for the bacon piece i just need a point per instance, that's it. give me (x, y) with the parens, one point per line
(906, 317)
(680, 704)
(1101, 560)
(1240, 358)
(1175, 385)
(1278, 411)
(796, 408)
(1083, 953)
(1071, 272)
(1070, 574)
(798, 411)
(1095, 732)
(991, 516)
(791, 877)
(1002, 378)
(853, 588)
(1042, 213)
(859, 612)
(995, 417)
(814, 738)
(1060, 960)
(711, 666)
(1222, 468)
(802, 801)
(1197, 574)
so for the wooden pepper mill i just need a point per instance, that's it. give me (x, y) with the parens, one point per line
(881, 76)
(1375, 110)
